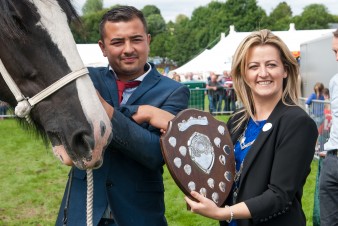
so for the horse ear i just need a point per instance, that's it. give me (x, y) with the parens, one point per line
(103, 49)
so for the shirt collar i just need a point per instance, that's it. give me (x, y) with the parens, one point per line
(147, 68)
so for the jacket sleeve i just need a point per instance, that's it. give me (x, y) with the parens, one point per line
(142, 142)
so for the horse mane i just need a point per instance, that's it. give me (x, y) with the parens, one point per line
(11, 25)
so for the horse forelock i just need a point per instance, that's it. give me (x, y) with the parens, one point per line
(12, 24)
(10, 17)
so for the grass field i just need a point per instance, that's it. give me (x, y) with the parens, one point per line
(32, 182)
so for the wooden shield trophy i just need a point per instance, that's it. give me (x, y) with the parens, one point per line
(199, 154)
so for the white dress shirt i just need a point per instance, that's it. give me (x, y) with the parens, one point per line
(332, 143)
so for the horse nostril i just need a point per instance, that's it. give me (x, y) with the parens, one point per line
(89, 140)
(83, 144)
(103, 128)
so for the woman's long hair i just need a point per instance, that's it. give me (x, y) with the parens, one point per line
(239, 68)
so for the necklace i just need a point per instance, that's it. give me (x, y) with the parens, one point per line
(242, 141)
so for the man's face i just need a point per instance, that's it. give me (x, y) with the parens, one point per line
(126, 45)
(335, 46)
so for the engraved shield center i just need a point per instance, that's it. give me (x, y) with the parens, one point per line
(201, 151)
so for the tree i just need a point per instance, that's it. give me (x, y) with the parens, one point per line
(156, 24)
(150, 10)
(314, 16)
(246, 15)
(88, 30)
(155, 21)
(92, 6)
(280, 18)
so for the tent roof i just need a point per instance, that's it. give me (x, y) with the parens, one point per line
(219, 58)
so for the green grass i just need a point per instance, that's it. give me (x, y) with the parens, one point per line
(32, 182)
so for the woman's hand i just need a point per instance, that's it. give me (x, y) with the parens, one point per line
(154, 116)
(205, 206)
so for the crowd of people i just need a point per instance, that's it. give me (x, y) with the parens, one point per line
(218, 88)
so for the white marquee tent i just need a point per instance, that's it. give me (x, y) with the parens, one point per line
(219, 58)
(91, 55)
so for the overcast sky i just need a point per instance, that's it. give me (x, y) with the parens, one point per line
(171, 8)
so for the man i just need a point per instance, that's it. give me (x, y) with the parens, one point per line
(227, 94)
(328, 194)
(213, 89)
(128, 187)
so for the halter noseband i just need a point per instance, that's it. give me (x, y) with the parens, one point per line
(25, 104)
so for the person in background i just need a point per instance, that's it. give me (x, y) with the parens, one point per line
(213, 90)
(128, 187)
(227, 94)
(328, 181)
(316, 109)
(176, 77)
(274, 139)
(324, 129)
(3, 109)
(317, 94)
(324, 134)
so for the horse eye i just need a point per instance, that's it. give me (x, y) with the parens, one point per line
(31, 74)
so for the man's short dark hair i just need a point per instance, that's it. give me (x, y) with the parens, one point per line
(122, 13)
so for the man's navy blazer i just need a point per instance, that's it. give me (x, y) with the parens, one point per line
(130, 178)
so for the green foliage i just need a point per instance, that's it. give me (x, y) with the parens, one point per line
(314, 16)
(88, 30)
(280, 18)
(156, 24)
(149, 10)
(155, 21)
(92, 6)
(160, 45)
(334, 18)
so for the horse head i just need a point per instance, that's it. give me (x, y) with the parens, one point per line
(38, 49)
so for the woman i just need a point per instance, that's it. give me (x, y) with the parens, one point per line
(316, 109)
(317, 94)
(274, 138)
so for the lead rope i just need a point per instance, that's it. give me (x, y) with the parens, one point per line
(90, 189)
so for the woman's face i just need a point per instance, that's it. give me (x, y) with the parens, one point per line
(265, 73)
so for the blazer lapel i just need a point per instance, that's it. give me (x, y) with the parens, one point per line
(263, 135)
(111, 87)
(149, 81)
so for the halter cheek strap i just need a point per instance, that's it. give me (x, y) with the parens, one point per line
(25, 104)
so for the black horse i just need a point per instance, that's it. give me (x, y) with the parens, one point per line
(37, 49)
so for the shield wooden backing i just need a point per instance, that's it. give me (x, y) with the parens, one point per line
(199, 154)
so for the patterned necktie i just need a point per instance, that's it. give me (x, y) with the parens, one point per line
(121, 86)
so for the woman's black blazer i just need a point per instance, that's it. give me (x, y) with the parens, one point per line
(276, 167)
